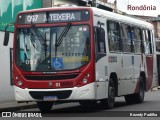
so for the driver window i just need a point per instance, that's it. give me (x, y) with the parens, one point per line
(100, 40)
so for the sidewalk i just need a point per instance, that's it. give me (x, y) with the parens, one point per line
(156, 88)
(13, 106)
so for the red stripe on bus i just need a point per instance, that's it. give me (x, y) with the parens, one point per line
(149, 75)
(149, 78)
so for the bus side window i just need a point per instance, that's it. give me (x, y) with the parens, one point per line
(100, 40)
(152, 41)
(147, 41)
(126, 37)
(137, 41)
(113, 36)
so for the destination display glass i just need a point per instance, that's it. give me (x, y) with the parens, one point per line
(53, 17)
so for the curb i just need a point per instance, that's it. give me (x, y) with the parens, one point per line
(18, 107)
(155, 89)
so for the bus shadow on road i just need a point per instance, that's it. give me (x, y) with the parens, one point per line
(95, 111)
(87, 109)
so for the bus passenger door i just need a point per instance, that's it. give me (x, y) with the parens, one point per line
(100, 57)
(127, 61)
(126, 77)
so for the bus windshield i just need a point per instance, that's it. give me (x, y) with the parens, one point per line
(52, 48)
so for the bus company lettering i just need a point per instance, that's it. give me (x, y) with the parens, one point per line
(72, 54)
(141, 7)
(62, 17)
(112, 59)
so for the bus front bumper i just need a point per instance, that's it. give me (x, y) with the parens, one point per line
(86, 92)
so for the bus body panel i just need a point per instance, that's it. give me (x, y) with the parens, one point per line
(101, 64)
(86, 92)
(126, 67)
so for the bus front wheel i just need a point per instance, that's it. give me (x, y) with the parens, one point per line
(110, 101)
(44, 106)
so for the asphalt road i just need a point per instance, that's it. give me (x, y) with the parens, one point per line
(121, 111)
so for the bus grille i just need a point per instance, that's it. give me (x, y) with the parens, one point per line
(59, 94)
(58, 77)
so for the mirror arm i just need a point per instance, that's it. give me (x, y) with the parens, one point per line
(100, 23)
(9, 24)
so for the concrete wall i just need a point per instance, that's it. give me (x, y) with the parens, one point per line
(158, 29)
(50, 3)
(47, 3)
(6, 90)
(65, 2)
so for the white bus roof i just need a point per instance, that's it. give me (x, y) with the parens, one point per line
(122, 18)
(104, 13)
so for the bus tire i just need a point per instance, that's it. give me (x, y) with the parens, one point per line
(44, 106)
(137, 97)
(140, 95)
(110, 101)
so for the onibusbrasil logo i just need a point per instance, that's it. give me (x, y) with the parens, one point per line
(21, 115)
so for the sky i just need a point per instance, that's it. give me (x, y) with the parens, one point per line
(123, 4)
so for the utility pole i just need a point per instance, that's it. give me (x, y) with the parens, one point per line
(94, 3)
(115, 6)
(52, 3)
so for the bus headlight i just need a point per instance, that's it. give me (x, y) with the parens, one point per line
(84, 80)
(19, 83)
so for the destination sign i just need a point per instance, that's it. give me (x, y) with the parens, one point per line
(67, 16)
(53, 17)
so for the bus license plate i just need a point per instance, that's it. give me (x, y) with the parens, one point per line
(50, 98)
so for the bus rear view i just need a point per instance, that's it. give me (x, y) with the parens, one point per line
(53, 56)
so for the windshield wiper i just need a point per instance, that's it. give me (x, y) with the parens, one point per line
(39, 36)
(41, 39)
(63, 34)
(61, 37)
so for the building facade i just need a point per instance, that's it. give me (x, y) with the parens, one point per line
(8, 12)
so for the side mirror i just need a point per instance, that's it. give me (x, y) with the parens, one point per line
(6, 38)
(6, 35)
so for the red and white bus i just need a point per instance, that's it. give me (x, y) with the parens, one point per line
(82, 54)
